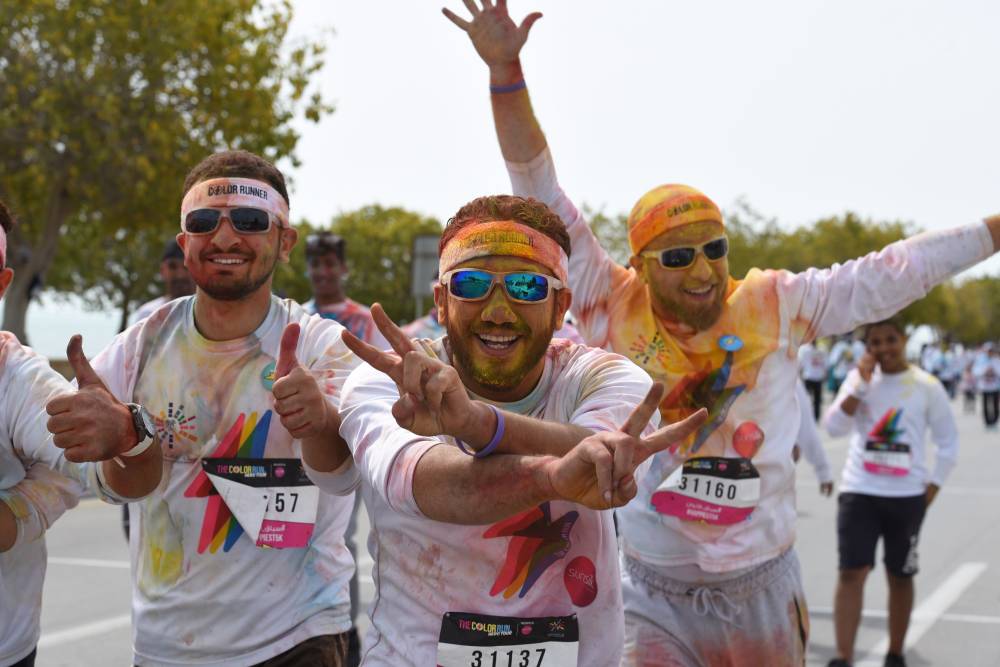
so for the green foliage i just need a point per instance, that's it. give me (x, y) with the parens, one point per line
(106, 106)
(611, 231)
(379, 248)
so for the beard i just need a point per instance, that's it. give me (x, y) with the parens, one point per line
(499, 373)
(234, 289)
(698, 317)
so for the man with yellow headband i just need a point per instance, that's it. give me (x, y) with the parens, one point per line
(710, 575)
(486, 457)
(237, 559)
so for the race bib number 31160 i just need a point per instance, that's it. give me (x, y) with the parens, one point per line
(716, 490)
(477, 640)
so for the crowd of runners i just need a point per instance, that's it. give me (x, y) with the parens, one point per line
(488, 442)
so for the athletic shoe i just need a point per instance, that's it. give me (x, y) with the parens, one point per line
(839, 662)
(894, 660)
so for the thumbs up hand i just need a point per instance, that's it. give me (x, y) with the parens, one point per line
(304, 410)
(90, 424)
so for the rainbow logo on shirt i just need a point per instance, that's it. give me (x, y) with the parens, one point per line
(246, 438)
(887, 429)
(536, 543)
(173, 425)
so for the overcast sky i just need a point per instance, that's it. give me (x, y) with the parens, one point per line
(804, 108)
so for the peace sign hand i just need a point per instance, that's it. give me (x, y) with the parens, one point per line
(600, 471)
(432, 398)
(497, 39)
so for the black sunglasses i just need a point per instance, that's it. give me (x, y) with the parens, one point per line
(245, 220)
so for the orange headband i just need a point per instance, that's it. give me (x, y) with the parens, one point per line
(505, 238)
(667, 207)
(233, 192)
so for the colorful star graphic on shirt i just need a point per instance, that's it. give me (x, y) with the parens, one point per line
(887, 429)
(246, 438)
(536, 543)
(707, 389)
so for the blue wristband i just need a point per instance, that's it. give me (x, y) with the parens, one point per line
(492, 444)
(511, 88)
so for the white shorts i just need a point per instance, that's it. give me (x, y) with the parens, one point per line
(757, 618)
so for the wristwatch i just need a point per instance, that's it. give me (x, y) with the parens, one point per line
(144, 428)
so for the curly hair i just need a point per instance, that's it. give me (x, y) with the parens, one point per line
(524, 210)
(893, 322)
(237, 164)
(7, 219)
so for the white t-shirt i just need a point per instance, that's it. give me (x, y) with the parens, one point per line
(813, 362)
(888, 451)
(986, 370)
(565, 561)
(203, 592)
(146, 309)
(752, 351)
(36, 482)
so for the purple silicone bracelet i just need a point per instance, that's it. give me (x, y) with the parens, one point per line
(511, 88)
(492, 444)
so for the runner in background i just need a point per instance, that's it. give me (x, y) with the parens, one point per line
(175, 278)
(42, 476)
(711, 575)
(986, 370)
(888, 406)
(968, 381)
(236, 558)
(326, 262)
(488, 539)
(812, 365)
(809, 444)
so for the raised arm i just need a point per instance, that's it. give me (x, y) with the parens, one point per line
(498, 41)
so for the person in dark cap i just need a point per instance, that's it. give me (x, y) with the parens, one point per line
(176, 281)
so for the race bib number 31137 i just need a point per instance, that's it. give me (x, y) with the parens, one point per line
(477, 640)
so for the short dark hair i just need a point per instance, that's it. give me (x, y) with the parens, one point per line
(893, 322)
(7, 219)
(525, 210)
(325, 243)
(237, 164)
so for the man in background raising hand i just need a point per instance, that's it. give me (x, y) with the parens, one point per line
(482, 455)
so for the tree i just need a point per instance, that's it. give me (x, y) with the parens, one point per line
(107, 104)
(379, 248)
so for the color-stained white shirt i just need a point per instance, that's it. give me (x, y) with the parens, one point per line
(354, 317)
(899, 409)
(203, 592)
(813, 362)
(554, 560)
(36, 483)
(743, 369)
(986, 370)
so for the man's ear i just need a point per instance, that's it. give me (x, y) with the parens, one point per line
(640, 266)
(441, 302)
(564, 299)
(286, 242)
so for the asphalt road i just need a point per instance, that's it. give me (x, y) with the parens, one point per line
(85, 614)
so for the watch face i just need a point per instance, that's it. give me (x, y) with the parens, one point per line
(147, 421)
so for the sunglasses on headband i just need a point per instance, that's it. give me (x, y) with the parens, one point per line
(245, 220)
(521, 286)
(682, 258)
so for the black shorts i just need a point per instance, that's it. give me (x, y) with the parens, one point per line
(862, 519)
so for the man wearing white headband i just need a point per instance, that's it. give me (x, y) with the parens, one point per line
(38, 481)
(237, 559)
(486, 457)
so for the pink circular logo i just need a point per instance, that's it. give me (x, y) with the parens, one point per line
(580, 578)
(526, 630)
(279, 472)
(747, 439)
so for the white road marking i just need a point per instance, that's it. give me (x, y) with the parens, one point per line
(79, 632)
(928, 612)
(90, 562)
(882, 613)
